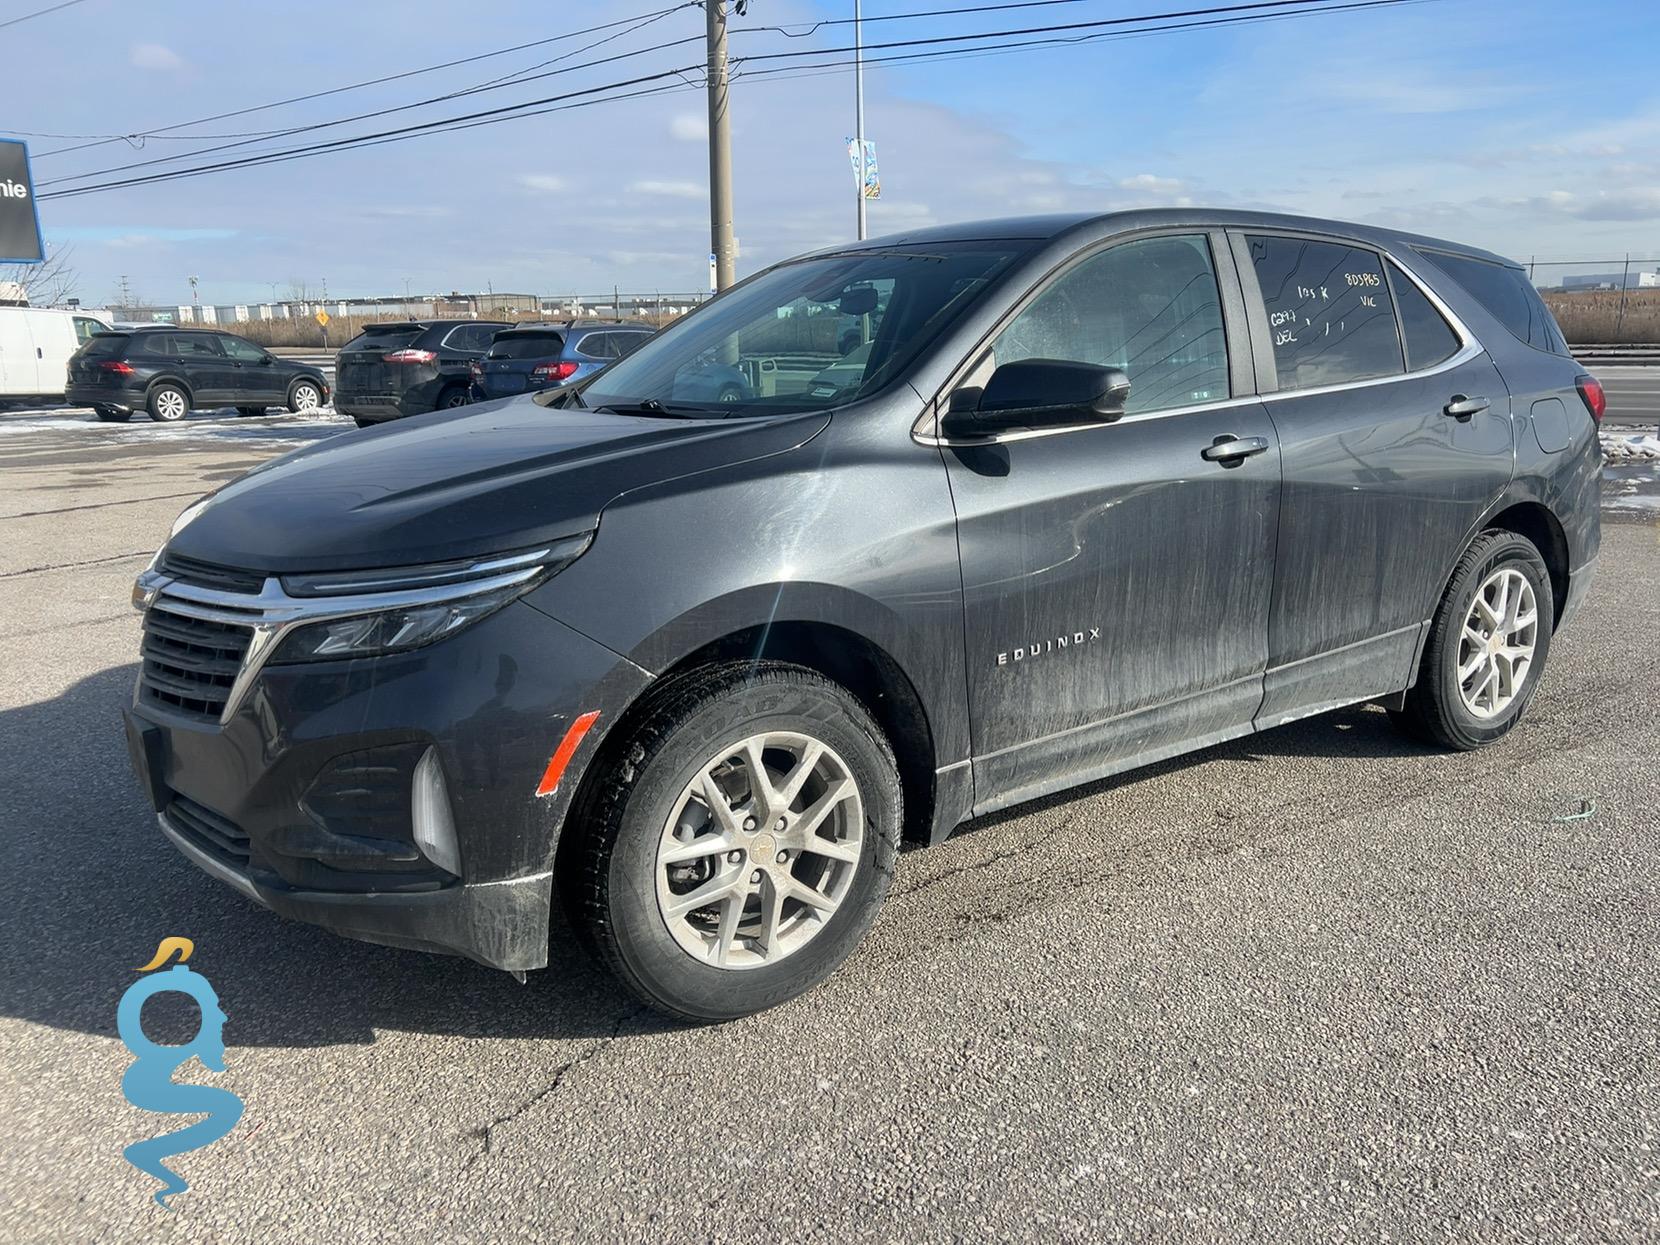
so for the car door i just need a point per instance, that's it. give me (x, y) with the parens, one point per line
(1394, 443)
(19, 365)
(205, 367)
(255, 378)
(1116, 576)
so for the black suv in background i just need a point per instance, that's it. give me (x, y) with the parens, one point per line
(169, 371)
(392, 370)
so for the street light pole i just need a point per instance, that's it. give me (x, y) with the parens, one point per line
(720, 149)
(859, 109)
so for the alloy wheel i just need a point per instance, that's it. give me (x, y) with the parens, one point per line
(1495, 648)
(306, 398)
(170, 404)
(760, 850)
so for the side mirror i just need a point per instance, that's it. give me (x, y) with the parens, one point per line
(1037, 393)
(267, 360)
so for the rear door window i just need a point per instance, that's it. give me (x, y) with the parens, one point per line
(1508, 296)
(472, 337)
(628, 343)
(1329, 313)
(1429, 339)
(526, 346)
(1149, 308)
(189, 347)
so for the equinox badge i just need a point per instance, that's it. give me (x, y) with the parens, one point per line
(1042, 648)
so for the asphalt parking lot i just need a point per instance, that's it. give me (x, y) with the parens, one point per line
(1319, 984)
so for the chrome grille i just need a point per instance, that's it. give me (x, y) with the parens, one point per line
(190, 663)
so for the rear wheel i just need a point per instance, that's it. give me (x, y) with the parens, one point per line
(454, 396)
(1487, 646)
(739, 843)
(364, 423)
(168, 404)
(112, 414)
(250, 410)
(303, 397)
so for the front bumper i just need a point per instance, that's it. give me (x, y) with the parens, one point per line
(501, 924)
(302, 798)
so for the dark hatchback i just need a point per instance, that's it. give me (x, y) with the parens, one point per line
(541, 356)
(389, 371)
(1093, 491)
(169, 371)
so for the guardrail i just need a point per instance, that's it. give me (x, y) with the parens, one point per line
(1592, 353)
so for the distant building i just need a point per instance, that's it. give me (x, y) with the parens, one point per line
(1637, 280)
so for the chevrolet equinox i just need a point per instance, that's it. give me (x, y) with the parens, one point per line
(1002, 508)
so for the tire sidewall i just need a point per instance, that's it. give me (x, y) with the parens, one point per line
(1519, 554)
(653, 958)
(294, 396)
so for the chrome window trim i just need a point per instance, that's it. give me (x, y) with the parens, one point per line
(272, 614)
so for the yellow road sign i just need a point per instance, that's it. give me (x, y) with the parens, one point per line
(322, 317)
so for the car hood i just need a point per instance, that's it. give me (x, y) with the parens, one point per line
(454, 484)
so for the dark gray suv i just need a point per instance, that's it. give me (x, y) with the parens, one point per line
(1002, 508)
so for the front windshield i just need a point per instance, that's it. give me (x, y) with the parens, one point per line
(803, 336)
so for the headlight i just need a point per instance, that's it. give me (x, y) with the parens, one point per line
(400, 608)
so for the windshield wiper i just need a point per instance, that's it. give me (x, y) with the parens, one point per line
(652, 408)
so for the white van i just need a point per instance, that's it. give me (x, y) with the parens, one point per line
(35, 345)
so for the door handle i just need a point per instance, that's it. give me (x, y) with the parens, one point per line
(1230, 450)
(1461, 408)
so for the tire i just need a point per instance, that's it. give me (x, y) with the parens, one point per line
(616, 888)
(1440, 709)
(168, 404)
(365, 423)
(250, 410)
(304, 396)
(454, 396)
(112, 414)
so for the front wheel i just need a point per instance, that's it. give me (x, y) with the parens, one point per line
(738, 843)
(1487, 646)
(168, 404)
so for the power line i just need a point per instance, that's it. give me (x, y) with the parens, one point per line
(38, 13)
(1278, 10)
(354, 86)
(389, 111)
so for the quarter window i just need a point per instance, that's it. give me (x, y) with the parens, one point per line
(1429, 338)
(1149, 308)
(1507, 295)
(1329, 312)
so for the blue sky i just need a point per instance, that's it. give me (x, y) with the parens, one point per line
(1528, 126)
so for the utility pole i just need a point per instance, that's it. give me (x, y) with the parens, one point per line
(859, 109)
(126, 294)
(720, 149)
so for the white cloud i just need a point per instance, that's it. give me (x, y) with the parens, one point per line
(1150, 184)
(689, 127)
(545, 182)
(155, 56)
(672, 190)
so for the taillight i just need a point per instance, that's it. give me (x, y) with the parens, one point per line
(476, 368)
(554, 372)
(1590, 389)
(116, 366)
(410, 356)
